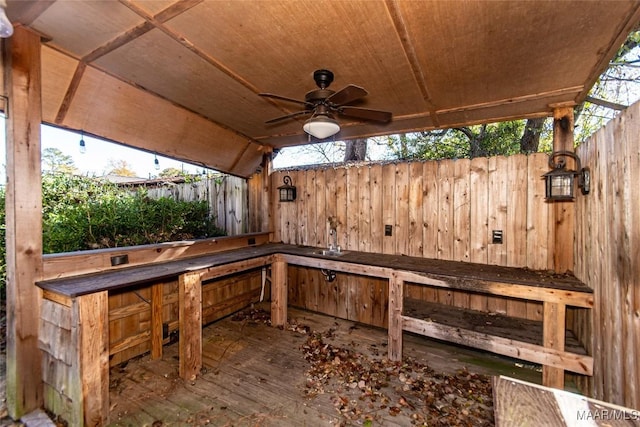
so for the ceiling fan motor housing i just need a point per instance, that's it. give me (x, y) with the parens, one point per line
(323, 78)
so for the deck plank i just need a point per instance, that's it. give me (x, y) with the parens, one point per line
(256, 375)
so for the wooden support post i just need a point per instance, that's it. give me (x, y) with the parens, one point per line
(278, 292)
(90, 319)
(395, 317)
(156, 321)
(553, 331)
(268, 204)
(190, 320)
(563, 212)
(22, 82)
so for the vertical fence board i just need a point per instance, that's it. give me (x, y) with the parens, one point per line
(388, 207)
(351, 238)
(537, 215)
(415, 205)
(331, 188)
(341, 205)
(364, 210)
(445, 210)
(461, 210)
(430, 210)
(311, 208)
(401, 220)
(377, 227)
(321, 208)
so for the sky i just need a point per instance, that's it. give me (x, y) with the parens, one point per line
(96, 159)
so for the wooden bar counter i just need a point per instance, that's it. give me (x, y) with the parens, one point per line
(75, 313)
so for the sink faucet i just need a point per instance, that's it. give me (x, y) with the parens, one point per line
(333, 240)
(333, 235)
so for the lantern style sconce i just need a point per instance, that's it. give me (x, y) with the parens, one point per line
(287, 191)
(559, 181)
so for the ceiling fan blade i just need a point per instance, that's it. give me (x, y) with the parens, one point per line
(289, 116)
(284, 98)
(347, 94)
(366, 114)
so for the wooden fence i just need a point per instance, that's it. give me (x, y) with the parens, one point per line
(445, 209)
(438, 209)
(606, 258)
(226, 195)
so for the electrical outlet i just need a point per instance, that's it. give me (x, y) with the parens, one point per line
(388, 230)
(119, 260)
(496, 237)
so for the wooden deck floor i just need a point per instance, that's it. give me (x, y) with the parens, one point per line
(257, 375)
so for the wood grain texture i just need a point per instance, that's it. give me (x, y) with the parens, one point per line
(519, 403)
(22, 87)
(190, 338)
(607, 242)
(90, 317)
(441, 210)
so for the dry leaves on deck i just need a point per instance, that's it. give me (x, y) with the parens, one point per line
(366, 387)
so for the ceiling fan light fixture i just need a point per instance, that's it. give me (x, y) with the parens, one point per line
(6, 28)
(321, 126)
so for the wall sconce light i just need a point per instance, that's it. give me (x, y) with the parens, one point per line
(559, 181)
(287, 191)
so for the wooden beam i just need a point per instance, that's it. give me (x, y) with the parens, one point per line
(84, 262)
(279, 292)
(395, 317)
(553, 328)
(190, 314)
(550, 357)
(90, 317)
(525, 292)
(22, 80)
(563, 212)
(156, 320)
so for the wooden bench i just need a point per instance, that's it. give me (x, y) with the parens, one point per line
(80, 304)
(554, 291)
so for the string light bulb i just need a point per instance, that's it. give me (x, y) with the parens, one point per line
(156, 162)
(6, 28)
(83, 146)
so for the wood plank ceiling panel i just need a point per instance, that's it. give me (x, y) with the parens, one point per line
(148, 122)
(282, 43)
(60, 69)
(161, 65)
(477, 52)
(153, 7)
(182, 78)
(79, 27)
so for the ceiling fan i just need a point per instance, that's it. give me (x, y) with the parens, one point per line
(324, 103)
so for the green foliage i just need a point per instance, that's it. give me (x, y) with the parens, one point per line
(55, 161)
(467, 142)
(83, 213)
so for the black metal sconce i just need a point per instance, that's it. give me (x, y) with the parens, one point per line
(559, 181)
(287, 191)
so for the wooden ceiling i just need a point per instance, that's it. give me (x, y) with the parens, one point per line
(182, 78)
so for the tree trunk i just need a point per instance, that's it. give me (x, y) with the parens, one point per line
(356, 150)
(531, 136)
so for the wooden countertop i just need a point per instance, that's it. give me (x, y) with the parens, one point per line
(464, 273)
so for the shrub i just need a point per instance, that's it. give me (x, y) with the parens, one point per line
(83, 213)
